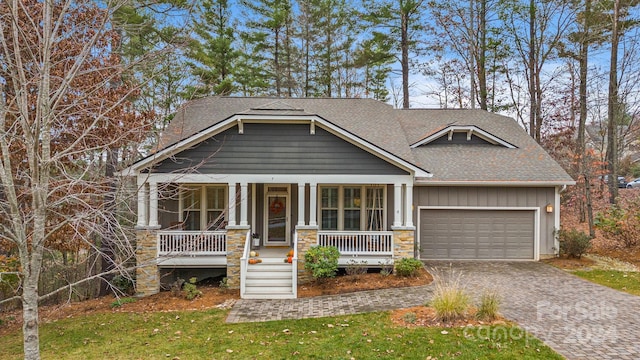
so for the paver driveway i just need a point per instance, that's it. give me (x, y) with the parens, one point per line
(578, 319)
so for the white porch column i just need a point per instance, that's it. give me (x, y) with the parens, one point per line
(244, 201)
(408, 203)
(142, 205)
(397, 204)
(313, 206)
(301, 204)
(153, 204)
(231, 216)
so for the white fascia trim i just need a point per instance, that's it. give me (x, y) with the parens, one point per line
(536, 217)
(470, 129)
(239, 119)
(426, 182)
(277, 179)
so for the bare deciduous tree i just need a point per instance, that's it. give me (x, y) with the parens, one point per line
(64, 102)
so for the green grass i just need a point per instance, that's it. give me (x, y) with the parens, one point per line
(195, 335)
(628, 282)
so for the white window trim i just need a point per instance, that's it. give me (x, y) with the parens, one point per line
(363, 204)
(204, 209)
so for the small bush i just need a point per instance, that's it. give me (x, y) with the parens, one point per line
(356, 268)
(121, 301)
(190, 289)
(410, 318)
(488, 307)
(408, 267)
(322, 261)
(386, 268)
(450, 300)
(123, 283)
(574, 243)
(224, 283)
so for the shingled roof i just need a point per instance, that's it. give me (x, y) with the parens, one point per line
(395, 131)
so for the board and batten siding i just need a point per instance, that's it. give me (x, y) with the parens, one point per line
(277, 149)
(494, 197)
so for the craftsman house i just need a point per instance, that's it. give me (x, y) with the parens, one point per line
(233, 175)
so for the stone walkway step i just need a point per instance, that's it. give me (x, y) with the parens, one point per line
(329, 305)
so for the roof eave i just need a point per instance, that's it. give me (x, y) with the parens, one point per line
(427, 181)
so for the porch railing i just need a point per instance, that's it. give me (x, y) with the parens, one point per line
(358, 242)
(192, 243)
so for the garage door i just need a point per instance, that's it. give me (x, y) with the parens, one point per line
(476, 234)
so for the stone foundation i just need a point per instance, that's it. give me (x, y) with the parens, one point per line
(147, 273)
(236, 238)
(307, 237)
(403, 243)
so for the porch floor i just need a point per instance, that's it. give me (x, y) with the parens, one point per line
(272, 252)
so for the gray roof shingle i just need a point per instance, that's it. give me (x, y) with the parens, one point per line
(394, 131)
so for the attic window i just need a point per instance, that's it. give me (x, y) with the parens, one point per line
(455, 134)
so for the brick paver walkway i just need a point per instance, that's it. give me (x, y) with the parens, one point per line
(578, 319)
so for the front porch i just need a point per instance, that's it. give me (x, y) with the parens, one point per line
(184, 224)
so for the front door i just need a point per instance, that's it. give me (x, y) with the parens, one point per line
(277, 216)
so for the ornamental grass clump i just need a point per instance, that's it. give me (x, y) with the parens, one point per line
(450, 299)
(488, 306)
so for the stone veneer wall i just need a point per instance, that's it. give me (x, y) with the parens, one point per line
(403, 243)
(236, 238)
(147, 273)
(307, 237)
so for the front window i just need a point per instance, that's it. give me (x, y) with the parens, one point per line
(329, 208)
(352, 208)
(199, 200)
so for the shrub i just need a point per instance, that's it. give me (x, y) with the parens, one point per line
(121, 301)
(123, 283)
(386, 268)
(488, 307)
(190, 289)
(621, 223)
(322, 261)
(408, 267)
(224, 283)
(574, 243)
(450, 300)
(356, 268)
(410, 318)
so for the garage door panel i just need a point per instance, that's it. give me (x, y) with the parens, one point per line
(476, 234)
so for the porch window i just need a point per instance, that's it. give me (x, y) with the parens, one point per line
(329, 208)
(352, 208)
(199, 200)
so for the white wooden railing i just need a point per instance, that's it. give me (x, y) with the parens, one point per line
(294, 265)
(358, 242)
(192, 243)
(244, 263)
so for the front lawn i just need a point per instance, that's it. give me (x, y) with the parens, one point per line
(626, 281)
(205, 335)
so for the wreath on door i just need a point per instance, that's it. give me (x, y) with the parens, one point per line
(276, 206)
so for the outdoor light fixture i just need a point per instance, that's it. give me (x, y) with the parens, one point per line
(549, 208)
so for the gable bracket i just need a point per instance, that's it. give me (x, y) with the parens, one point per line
(469, 133)
(312, 127)
(240, 127)
(450, 135)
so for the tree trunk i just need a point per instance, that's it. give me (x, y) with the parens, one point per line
(612, 109)
(404, 44)
(31, 336)
(482, 55)
(533, 131)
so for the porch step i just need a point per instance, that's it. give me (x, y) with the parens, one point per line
(271, 279)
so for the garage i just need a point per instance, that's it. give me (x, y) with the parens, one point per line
(477, 234)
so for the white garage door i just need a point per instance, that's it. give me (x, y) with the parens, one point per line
(477, 234)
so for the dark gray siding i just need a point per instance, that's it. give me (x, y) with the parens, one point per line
(463, 196)
(277, 149)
